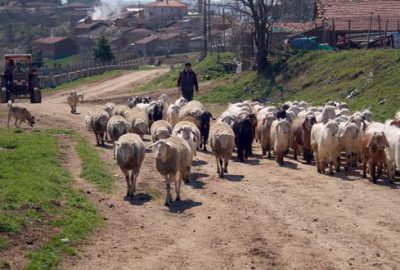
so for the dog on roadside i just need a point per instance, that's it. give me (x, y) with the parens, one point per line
(20, 115)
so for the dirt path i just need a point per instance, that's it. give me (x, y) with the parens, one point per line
(260, 217)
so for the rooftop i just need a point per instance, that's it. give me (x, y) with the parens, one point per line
(166, 3)
(146, 40)
(50, 40)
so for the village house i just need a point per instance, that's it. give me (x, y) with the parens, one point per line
(55, 47)
(165, 9)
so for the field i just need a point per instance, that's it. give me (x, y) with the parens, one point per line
(260, 216)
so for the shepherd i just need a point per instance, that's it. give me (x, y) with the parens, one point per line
(187, 82)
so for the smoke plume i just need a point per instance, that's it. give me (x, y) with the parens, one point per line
(107, 10)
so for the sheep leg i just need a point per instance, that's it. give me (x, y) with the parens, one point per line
(264, 150)
(380, 169)
(221, 165)
(97, 138)
(318, 162)
(364, 168)
(372, 166)
(168, 199)
(218, 169)
(337, 163)
(16, 122)
(269, 150)
(295, 149)
(114, 151)
(226, 165)
(240, 153)
(133, 184)
(128, 183)
(330, 167)
(177, 183)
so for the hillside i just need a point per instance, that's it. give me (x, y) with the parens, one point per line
(362, 78)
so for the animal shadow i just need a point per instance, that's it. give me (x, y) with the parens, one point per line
(182, 206)
(199, 162)
(195, 182)
(76, 113)
(106, 146)
(139, 199)
(290, 165)
(233, 177)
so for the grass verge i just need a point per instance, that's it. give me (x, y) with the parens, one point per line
(75, 84)
(362, 78)
(209, 68)
(36, 194)
(94, 169)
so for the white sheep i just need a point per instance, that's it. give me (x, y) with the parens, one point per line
(138, 121)
(110, 108)
(180, 102)
(173, 161)
(328, 113)
(222, 141)
(130, 155)
(173, 114)
(190, 133)
(325, 143)
(348, 140)
(227, 118)
(194, 108)
(366, 115)
(116, 127)
(263, 132)
(280, 138)
(122, 110)
(160, 129)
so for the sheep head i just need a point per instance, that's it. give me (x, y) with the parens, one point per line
(162, 147)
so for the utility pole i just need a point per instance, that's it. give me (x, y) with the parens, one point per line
(205, 27)
(223, 25)
(209, 25)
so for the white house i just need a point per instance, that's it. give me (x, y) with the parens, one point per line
(167, 9)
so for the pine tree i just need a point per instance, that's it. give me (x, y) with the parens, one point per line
(103, 51)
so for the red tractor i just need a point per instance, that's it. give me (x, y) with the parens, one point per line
(20, 79)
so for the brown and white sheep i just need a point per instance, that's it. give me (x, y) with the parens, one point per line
(160, 129)
(138, 121)
(374, 147)
(173, 161)
(222, 141)
(73, 101)
(130, 155)
(280, 133)
(116, 127)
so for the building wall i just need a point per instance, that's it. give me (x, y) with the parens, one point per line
(57, 50)
(157, 12)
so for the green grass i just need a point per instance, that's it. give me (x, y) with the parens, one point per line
(207, 69)
(77, 83)
(317, 77)
(36, 192)
(93, 168)
(66, 61)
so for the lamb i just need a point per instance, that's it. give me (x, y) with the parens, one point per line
(116, 127)
(73, 101)
(374, 147)
(180, 102)
(302, 136)
(173, 161)
(130, 155)
(280, 132)
(188, 131)
(392, 134)
(348, 140)
(160, 129)
(264, 133)
(328, 113)
(98, 123)
(164, 100)
(173, 114)
(138, 121)
(222, 140)
(122, 110)
(325, 143)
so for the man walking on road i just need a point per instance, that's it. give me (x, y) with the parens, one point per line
(187, 82)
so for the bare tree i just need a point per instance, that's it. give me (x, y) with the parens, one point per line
(260, 13)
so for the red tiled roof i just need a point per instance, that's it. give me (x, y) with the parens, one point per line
(360, 12)
(166, 3)
(49, 40)
(292, 27)
(147, 40)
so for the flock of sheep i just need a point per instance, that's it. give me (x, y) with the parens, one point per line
(178, 130)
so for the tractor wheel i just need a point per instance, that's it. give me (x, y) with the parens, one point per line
(3, 96)
(36, 97)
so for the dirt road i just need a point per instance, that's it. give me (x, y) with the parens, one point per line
(261, 216)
